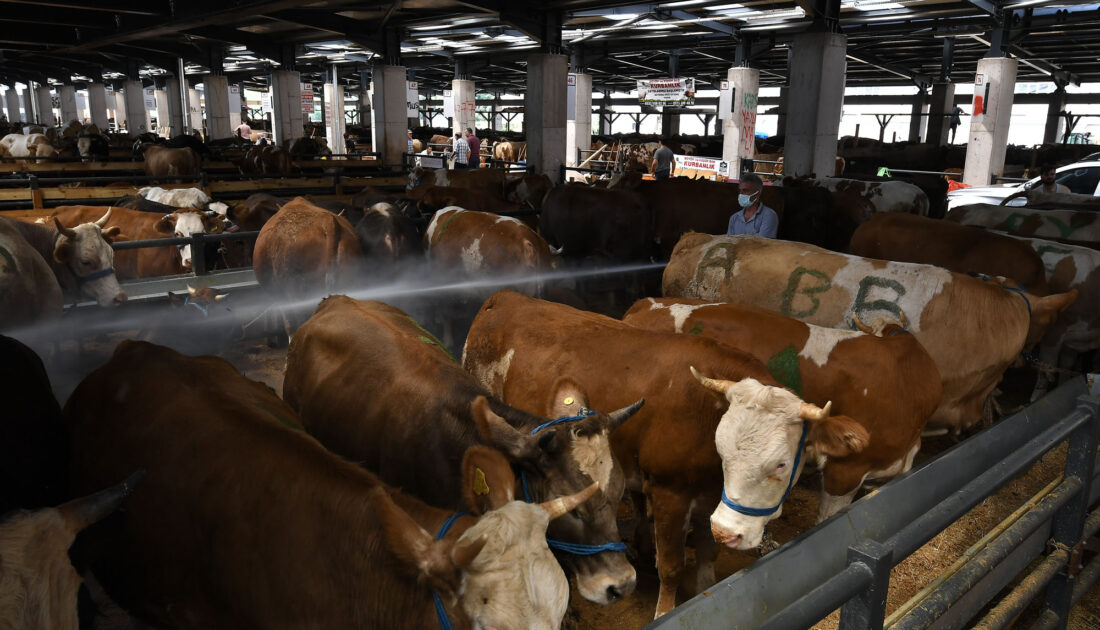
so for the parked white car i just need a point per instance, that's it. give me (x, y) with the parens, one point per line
(1080, 177)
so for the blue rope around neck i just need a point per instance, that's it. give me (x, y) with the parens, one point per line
(440, 612)
(102, 273)
(1020, 290)
(202, 309)
(750, 511)
(560, 545)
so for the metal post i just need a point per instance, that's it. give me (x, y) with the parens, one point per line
(1069, 521)
(868, 609)
(185, 104)
(198, 254)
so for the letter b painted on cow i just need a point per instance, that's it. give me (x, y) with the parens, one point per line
(794, 283)
(863, 304)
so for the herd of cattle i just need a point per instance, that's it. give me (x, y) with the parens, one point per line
(479, 479)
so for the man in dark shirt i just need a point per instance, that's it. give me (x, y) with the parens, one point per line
(661, 166)
(475, 148)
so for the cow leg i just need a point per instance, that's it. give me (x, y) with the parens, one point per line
(830, 504)
(706, 548)
(670, 518)
(643, 533)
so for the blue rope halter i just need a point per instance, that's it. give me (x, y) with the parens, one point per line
(440, 612)
(202, 309)
(1020, 290)
(560, 545)
(751, 511)
(95, 275)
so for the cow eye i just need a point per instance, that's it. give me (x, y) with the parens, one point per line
(781, 465)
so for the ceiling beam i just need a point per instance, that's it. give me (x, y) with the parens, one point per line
(916, 77)
(352, 30)
(714, 25)
(84, 7)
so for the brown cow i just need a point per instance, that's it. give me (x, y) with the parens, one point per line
(519, 346)
(161, 161)
(884, 380)
(252, 213)
(373, 386)
(487, 180)
(888, 196)
(509, 151)
(910, 238)
(28, 289)
(134, 225)
(438, 197)
(267, 160)
(1066, 226)
(594, 222)
(236, 489)
(527, 190)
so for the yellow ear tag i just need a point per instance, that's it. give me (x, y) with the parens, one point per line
(568, 400)
(480, 487)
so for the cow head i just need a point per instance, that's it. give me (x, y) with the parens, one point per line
(758, 439)
(86, 251)
(84, 147)
(499, 573)
(187, 221)
(201, 299)
(560, 460)
(38, 584)
(1044, 312)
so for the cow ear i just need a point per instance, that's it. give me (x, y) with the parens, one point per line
(487, 479)
(567, 398)
(530, 257)
(175, 300)
(112, 233)
(516, 445)
(63, 249)
(413, 547)
(837, 436)
(214, 225)
(166, 225)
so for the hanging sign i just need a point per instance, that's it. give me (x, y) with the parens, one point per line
(265, 101)
(235, 99)
(307, 98)
(675, 92)
(150, 98)
(448, 104)
(725, 101)
(412, 100)
(571, 98)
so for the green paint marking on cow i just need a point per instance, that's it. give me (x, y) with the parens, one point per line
(1063, 229)
(281, 418)
(861, 304)
(443, 227)
(9, 259)
(784, 367)
(792, 290)
(697, 330)
(1012, 222)
(430, 339)
(721, 256)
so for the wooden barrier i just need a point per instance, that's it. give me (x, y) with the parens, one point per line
(71, 168)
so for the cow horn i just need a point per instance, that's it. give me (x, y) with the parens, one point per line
(904, 321)
(220, 297)
(558, 251)
(712, 384)
(862, 326)
(810, 411)
(167, 217)
(92, 508)
(66, 232)
(190, 291)
(102, 222)
(615, 418)
(561, 505)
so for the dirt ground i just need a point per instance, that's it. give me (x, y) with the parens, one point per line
(259, 362)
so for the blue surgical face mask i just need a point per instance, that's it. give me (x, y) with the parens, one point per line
(744, 200)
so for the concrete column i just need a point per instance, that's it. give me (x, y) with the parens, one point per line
(544, 113)
(194, 105)
(236, 103)
(781, 115)
(68, 104)
(215, 91)
(97, 105)
(463, 92)
(578, 132)
(336, 125)
(739, 135)
(175, 107)
(28, 104)
(11, 98)
(1052, 133)
(286, 100)
(985, 150)
(388, 114)
(916, 117)
(164, 125)
(818, 66)
(939, 114)
(117, 103)
(45, 106)
(137, 117)
(670, 124)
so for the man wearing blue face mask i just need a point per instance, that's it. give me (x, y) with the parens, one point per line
(754, 217)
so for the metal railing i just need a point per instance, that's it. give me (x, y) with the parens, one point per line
(845, 562)
(197, 241)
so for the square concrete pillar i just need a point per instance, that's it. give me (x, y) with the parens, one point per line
(67, 95)
(544, 113)
(286, 100)
(781, 112)
(194, 107)
(670, 124)
(389, 120)
(45, 106)
(175, 106)
(97, 105)
(164, 124)
(28, 104)
(137, 117)
(11, 100)
(236, 97)
(465, 106)
(818, 66)
(578, 132)
(916, 117)
(1056, 124)
(116, 106)
(335, 124)
(739, 134)
(939, 114)
(985, 149)
(215, 93)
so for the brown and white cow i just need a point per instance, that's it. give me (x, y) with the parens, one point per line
(892, 196)
(972, 329)
(509, 151)
(28, 289)
(267, 159)
(433, 198)
(487, 180)
(1066, 226)
(373, 386)
(519, 346)
(254, 211)
(135, 225)
(236, 489)
(911, 238)
(483, 242)
(885, 380)
(161, 161)
(18, 145)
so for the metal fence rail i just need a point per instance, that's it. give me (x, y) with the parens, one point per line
(845, 562)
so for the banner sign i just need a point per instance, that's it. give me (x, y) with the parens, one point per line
(307, 98)
(235, 99)
(677, 92)
(700, 168)
(428, 161)
(448, 104)
(265, 101)
(150, 99)
(412, 100)
(571, 98)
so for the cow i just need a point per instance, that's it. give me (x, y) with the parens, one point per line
(136, 225)
(411, 411)
(527, 190)
(1075, 227)
(144, 141)
(198, 321)
(267, 160)
(597, 223)
(17, 145)
(183, 140)
(1039, 200)
(93, 147)
(387, 236)
(911, 238)
(137, 202)
(235, 489)
(829, 289)
(79, 258)
(433, 198)
(509, 151)
(887, 196)
(161, 161)
(883, 379)
(307, 148)
(518, 346)
(28, 289)
(183, 198)
(38, 584)
(487, 180)
(403, 201)
(254, 211)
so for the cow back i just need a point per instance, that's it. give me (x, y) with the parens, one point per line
(1066, 226)
(29, 290)
(600, 223)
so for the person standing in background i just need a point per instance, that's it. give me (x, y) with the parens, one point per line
(661, 166)
(753, 217)
(475, 148)
(461, 152)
